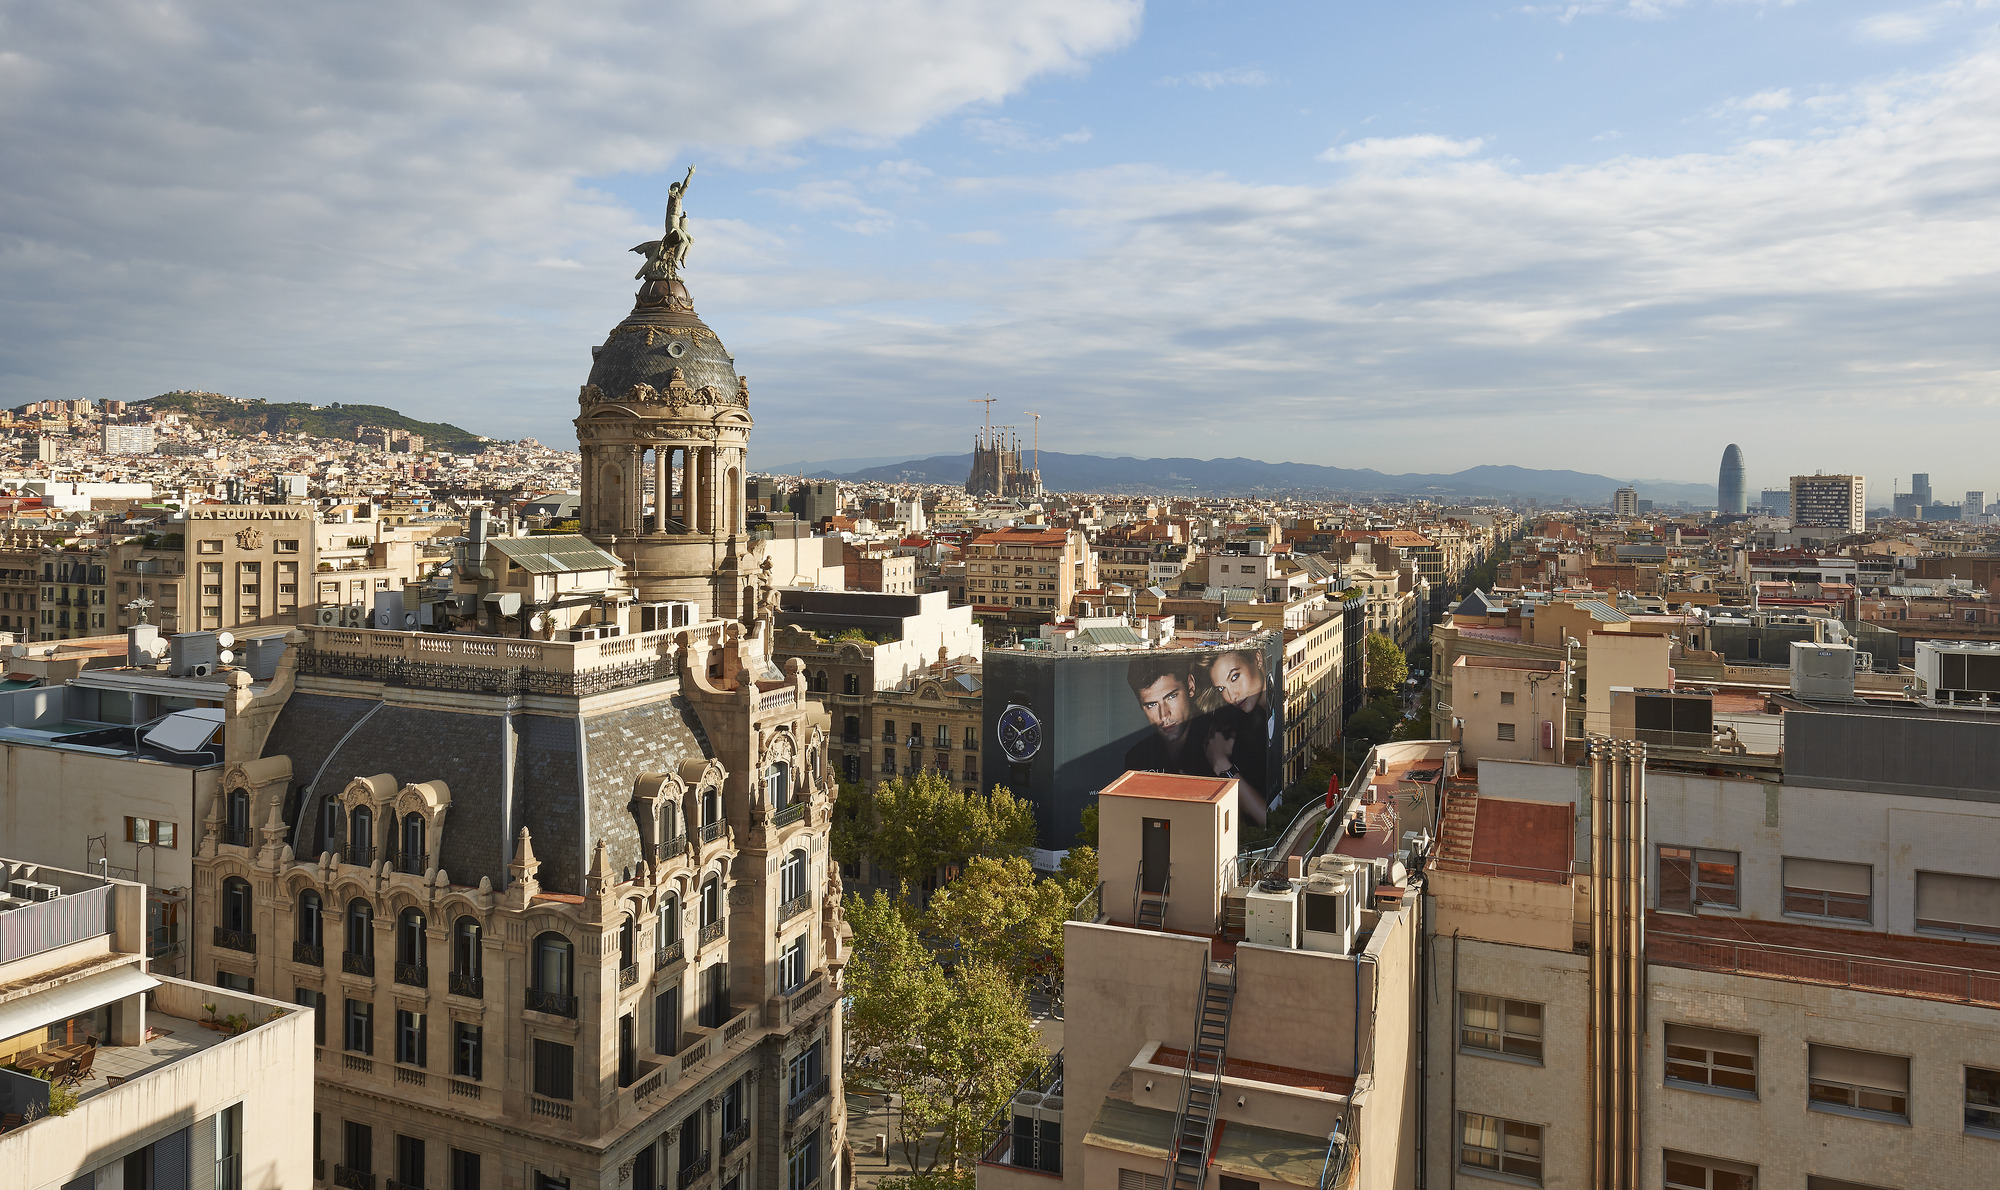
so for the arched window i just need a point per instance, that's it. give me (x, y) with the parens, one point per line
(410, 948)
(819, 680)
(778, 784)
(236, 905)
(361, 837)
(667, 927)
(628, 943)
(410, 847)
(668, 827)
(360, 949)
(312, 926)
(466, 963)
(792, 878)
(711, 902)
(237, 828)
(554, 966)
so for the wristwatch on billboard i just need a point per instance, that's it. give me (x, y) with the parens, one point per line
(1020, 733)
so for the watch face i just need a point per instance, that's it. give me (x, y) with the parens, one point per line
(1020, 733)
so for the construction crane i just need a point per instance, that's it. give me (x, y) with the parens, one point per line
(1038, 437)
(988, 402)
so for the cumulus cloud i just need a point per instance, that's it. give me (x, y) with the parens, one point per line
(286, 200)
(1209, 80)
(1402, 148)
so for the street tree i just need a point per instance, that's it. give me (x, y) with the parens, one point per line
(1387, 668)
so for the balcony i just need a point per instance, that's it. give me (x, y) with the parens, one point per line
(361, 857)
(242, 940)
(470, 986)
(790, 814)
(669, 953)
(803, 1102)
(792, 908)
(553, 1003)
(670, 849)
(307, 953)
(236, 836)
(709, 933)
(734, 1138)
(415, 975)
(554, 1109)
(358, 964)
(353, 1179)
(692, 1172)
(628, 975)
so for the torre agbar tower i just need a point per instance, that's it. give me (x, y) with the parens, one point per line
(561, 902)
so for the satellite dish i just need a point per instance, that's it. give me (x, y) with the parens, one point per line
(225, 657)
(20, 650)
(537, 622)
(225, 640)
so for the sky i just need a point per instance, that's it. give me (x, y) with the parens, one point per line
(1609, 236)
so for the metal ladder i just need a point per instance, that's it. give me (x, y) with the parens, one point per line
(1149, 910)
(1201, 1081)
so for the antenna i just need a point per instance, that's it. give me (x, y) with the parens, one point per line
(139, 605)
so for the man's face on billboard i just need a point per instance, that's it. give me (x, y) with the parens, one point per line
(1240, 679)
(1168, 706)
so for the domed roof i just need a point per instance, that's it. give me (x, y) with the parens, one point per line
(657, 337)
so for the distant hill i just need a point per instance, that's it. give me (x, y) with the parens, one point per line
(248, 416)
(1246, 477)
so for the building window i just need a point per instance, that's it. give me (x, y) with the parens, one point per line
(1489, 1024)
(778, 785)
(792, 965)
(150, 831)
(792, 878)
(1684, 1171)
(361, 930)
(711, 901)
(1857, 1081)
(464, 1170)
(1691, 877)
(212, 546)
(1822, 888)
(1953, 904)
(555, 1064)
(1982, 1100)
(971, 738)
(1711, 1059)
(409, 1160)
(1494, 1145)
(1506, 698)
(467, 1050)
(888, 761)
(308, 998)
(465, 957)
(412, 1029)
(236, 904)
(233, 982)
(360, 1147)
(1506, 731)
(360, 1026)
(802, 1163)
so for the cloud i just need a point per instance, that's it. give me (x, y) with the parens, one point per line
(1402, 148)
(977, 237)
(1015, 136)
(318, 201)
(1209, 80)
(1488, 312)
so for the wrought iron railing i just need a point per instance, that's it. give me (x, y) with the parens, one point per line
(415, 975)
(242, 940)
(462, 984)
(711, 932)
(353, 1179)
(236, 836)
(677, 845)
(361, 856)
(307, 953)
(628, 975)
(792, 908)
(790, 814)
(692, 1172)
(735, 1137)
(803, 1102)
(669, 952)
(712, 831)
(357, 964)
(555, 1003)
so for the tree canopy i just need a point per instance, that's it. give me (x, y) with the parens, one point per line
(913, 826)
(1387, 667)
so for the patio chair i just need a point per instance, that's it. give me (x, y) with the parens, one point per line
(80, 1067)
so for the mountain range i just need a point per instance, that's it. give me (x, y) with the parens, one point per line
(1254, 477)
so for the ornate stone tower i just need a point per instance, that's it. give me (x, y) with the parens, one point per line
(664, 429)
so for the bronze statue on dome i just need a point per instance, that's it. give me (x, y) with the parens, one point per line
(667, 256)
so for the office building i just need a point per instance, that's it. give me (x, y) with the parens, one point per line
(1729, 495)
(1830, 502)
(1920, 487)
(121, 1077)
(117, 439)
(1625, 502)
(1975, 504)
(1776, 501)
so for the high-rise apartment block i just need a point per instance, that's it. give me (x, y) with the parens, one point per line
(126, 440)
(1920, 487)
(1830, 502)
(1975, 503)
(1625, 502)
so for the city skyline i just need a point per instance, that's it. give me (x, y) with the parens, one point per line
(1108, 212)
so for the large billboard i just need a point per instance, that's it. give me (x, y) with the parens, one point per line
(1061, 726)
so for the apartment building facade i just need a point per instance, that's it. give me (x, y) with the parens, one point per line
(1036, 572)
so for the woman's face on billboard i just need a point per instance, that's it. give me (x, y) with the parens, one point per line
(1240, 678)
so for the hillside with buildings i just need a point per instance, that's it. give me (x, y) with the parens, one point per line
(249, 416)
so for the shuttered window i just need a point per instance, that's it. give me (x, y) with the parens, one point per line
(1132, 1179)
(1711, 1059)
(1824, 888)
(1954, 904)
(1859, 1080)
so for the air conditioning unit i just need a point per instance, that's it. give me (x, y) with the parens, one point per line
(326, 616)
(200, 670)
(582, 634)
(34, 890)
(1271, 916)
(1036, 1132)
(354, 615)
(388, 611)
(185, 650)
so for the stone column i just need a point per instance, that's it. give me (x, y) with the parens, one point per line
(704, 519)
(586, 505)
(635, 500)
(663, 488)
